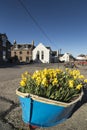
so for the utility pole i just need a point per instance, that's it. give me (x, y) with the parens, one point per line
(58, 57)
(58, 53)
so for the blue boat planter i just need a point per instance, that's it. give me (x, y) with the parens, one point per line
(42, 112)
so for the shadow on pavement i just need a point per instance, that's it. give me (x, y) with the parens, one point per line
(12, 65)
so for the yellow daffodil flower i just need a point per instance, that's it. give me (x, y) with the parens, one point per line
(23, 83)
(71, 83)
(79, 86)
(85, 80)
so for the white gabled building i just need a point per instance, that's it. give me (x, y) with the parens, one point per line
(67, 57)
(41, 54)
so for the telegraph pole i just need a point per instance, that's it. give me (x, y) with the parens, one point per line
(58, 53)
(58, 57)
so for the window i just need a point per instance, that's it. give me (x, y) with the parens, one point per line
(4, 41)
(42, 55)
(38, 55)
(20, 52)
(16, 47)
(26, 46)
(20, 58)
(27, 59)
(28, 52)
(9, 50)
(4, 55)
(14, 53)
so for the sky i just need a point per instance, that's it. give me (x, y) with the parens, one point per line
(60, 24)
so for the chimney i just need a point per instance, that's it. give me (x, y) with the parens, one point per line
(33, 43)
(14, 42)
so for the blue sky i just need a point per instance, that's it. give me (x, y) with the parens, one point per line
(63, 21)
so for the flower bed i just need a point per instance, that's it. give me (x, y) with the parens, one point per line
(53, 84)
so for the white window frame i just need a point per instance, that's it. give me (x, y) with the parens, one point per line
(4, 55)
(4, 39)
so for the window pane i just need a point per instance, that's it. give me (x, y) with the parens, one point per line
(20, 52)
(20, 58)
(42, 55)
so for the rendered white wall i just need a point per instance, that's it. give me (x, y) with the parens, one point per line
(46, 51)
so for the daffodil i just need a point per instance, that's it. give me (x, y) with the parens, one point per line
(53, 83)
(85, 80)
(44, 82)
(71, 83)
(79, 86)
(81, 77)
(22, 83)
(26, 73)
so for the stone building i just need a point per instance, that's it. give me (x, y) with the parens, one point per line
(5, 48)
(22, 52)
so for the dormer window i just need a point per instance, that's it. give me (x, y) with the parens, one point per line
(16, 46)
(26, 46)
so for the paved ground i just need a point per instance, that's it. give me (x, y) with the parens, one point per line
(10, 110)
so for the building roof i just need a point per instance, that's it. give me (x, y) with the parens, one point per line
(23, 46)
(54, 53)
(3, 35)
(81, 57)
(48, 48)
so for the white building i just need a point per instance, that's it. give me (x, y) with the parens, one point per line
(66, 57)
(41, 54)
(81, 57)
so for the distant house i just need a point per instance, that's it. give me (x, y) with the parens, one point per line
(5, 48)
(81, 57)
(42, 54)
(22, 52)
(67, 57)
